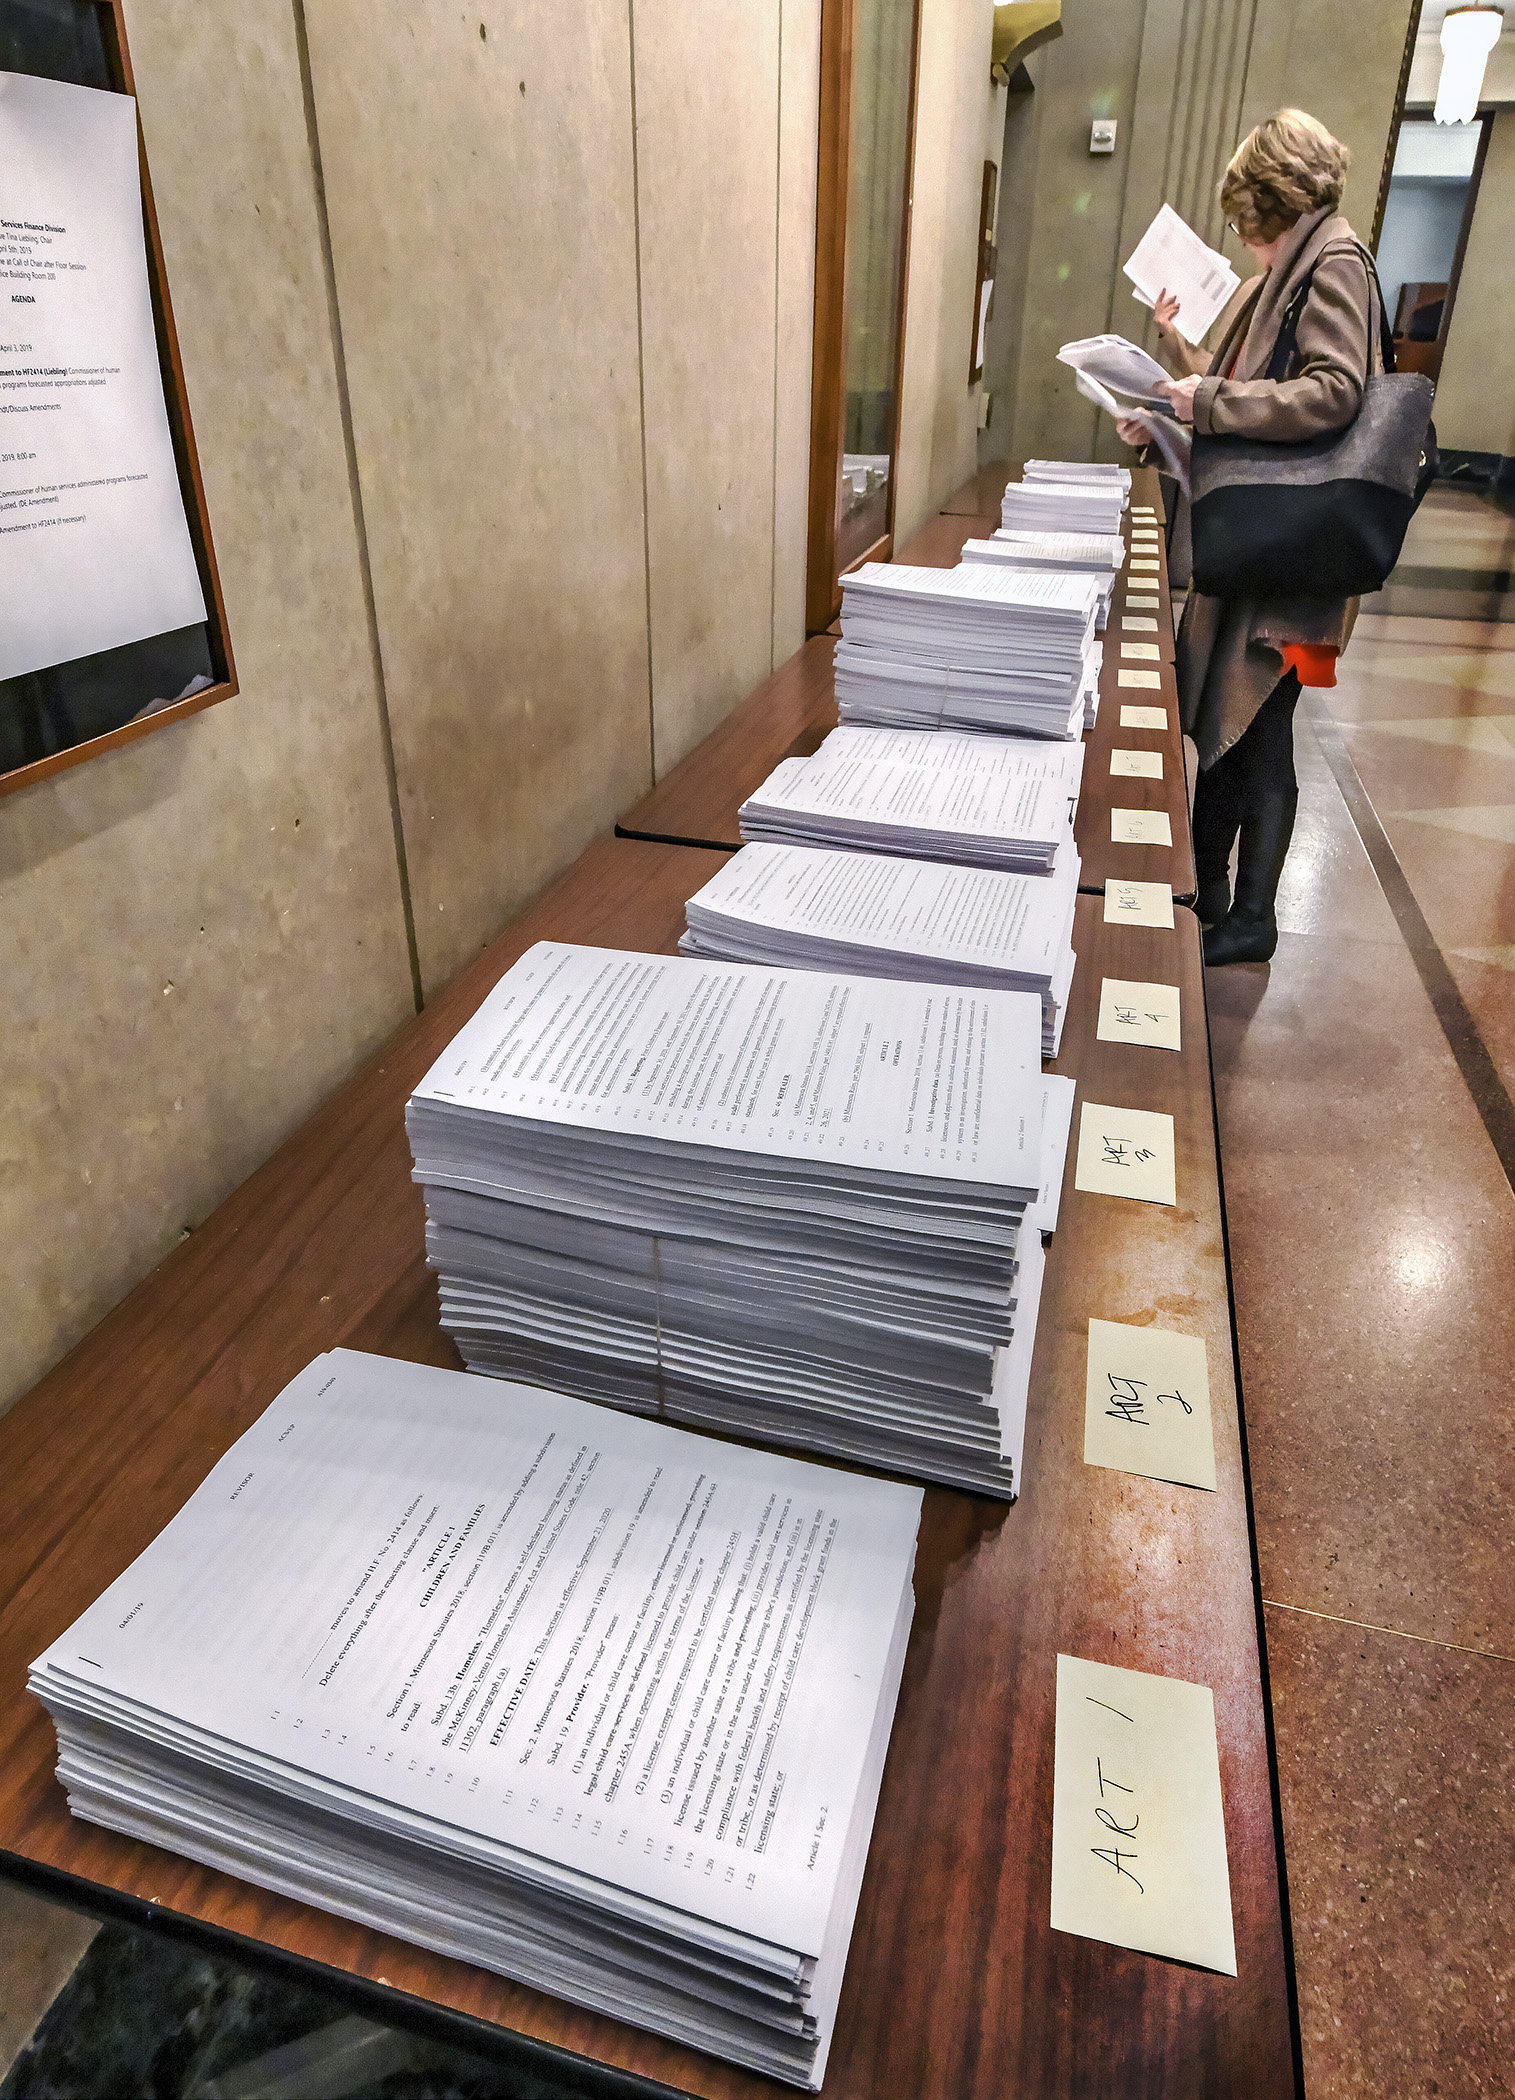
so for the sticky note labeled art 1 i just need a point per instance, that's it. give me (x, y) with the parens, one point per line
(1138, 1824)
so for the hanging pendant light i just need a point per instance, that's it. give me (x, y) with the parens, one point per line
(1468, 35)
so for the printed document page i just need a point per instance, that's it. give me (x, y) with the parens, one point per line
(926, 908)
(94, 547)
(1028, 801)
(1171, 257)
(903, 1078)
(643, 1655)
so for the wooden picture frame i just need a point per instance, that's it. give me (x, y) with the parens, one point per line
(984, 275)
(828, 382)
(112, 25)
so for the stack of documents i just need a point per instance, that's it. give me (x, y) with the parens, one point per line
(1090, 505)
(590, 1702)
(975, 647)
(980, 802)
(1098, 554)
(799, 908)
(1102, 473)
(781, 1203)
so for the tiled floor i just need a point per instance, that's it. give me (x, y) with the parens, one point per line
(1373, 1246)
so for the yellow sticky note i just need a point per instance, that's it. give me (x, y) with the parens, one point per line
(1151, 678)
(1140, 827)
(1136, 717)
(1138, 1824)
(1139, 625)
(1137, 765)
(1145, 604)
(1142, 651)
(1138, 904)
(1125, 1152)
(1130, 1012)
(1147, 1404)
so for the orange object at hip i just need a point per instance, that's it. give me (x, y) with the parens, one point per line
(1312, 662)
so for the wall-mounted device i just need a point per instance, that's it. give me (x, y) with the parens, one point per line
(1102, 135)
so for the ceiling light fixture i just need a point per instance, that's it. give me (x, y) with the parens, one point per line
(1468, 35)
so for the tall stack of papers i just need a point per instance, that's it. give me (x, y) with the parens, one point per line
(1063, 506)
(983, 802)
(1098, 554)
(780, 1203)
(976, 647)
(591, 1702)
(799, 908)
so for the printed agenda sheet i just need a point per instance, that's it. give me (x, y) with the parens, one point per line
(94, 547)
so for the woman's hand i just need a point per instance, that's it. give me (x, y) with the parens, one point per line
(1133, 432)
(1181, 393)
(1166, 312)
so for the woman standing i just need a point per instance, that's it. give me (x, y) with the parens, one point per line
(1241, 661)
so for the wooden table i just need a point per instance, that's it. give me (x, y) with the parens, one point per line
(956, 1988)
(1102, 791)
(1102, 859)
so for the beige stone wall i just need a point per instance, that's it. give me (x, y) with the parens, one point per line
(1184, 79)
(578, 362)
(200, 934)
(959, 124)
(1475, 397)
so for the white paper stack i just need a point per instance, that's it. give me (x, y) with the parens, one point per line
(1101, 472)
(796, 907)
(960, 751)
(1079, 505)
(980, 802)
(975, 647)
(1094, 663)
(1099, 554)
(780, 1203)
(590, 1702)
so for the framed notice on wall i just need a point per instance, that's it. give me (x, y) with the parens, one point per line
(110, 614)
(983, 289)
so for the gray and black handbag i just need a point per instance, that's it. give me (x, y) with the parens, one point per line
(1325, 518)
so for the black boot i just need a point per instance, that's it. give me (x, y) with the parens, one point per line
(1249, 931)
(1214, 899)
(1218, 802)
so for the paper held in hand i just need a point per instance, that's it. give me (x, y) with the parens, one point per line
(1171, 257)
(1122, 379)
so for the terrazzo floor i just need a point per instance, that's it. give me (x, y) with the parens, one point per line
(1372, 1232)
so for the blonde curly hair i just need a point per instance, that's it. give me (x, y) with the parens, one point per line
(1286, 166)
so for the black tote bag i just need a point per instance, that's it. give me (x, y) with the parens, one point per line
(1324, 518)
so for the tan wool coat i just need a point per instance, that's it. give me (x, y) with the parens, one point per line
(1230, 649)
